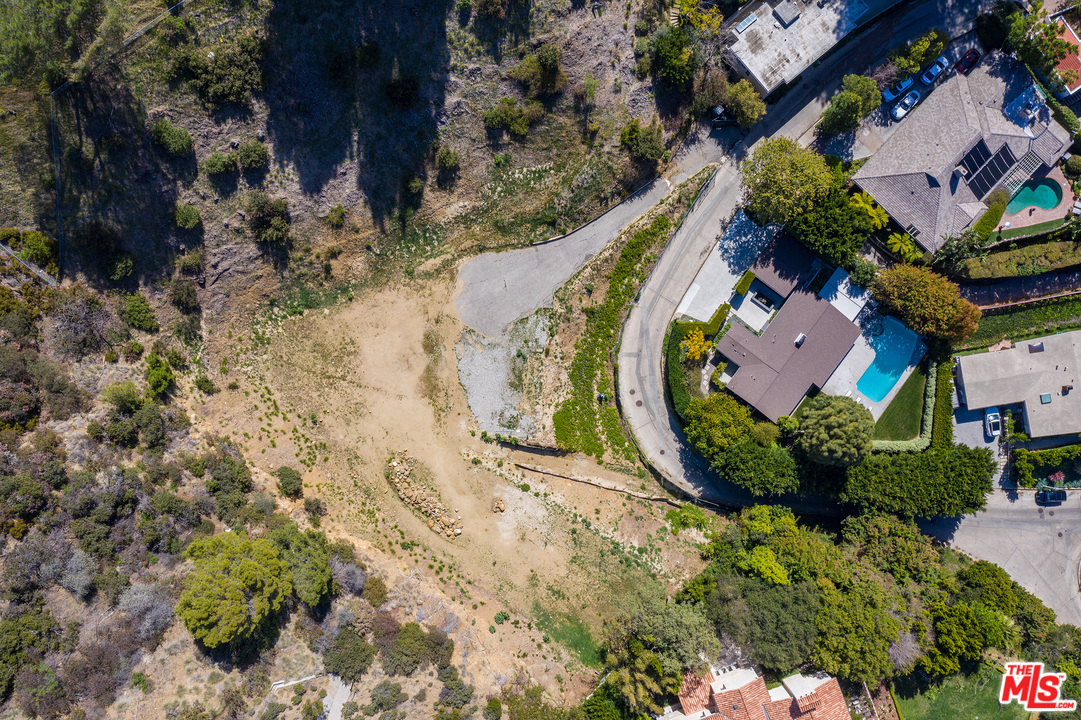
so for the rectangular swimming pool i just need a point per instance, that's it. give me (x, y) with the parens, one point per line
(893, 344)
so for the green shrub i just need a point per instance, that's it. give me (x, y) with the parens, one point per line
(336, 217)
(996, 207)
(40, 249)
(1026, 463)
(645, 144)
(863, 272)
(942, 432)
(349, 656)
(744, 283)
(159, 376)
(446, 158)
(375, 591)
(540, 72)
(268, 219)
(229, 77)
(183, 295)
(135, 311)
(677, 385)
(408, 652)
(188, 217)
(205, 385)
(1037, 318)
(173, 139)
(290, 484)
(133, 350)
(220, 163)
(190, 263)
(253, 155)
(675, 55)
(515, 118)
(1072, 167)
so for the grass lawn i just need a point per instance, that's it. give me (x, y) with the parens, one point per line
(901, 421)
(961, 697)
(570, 632)
(1027, 231)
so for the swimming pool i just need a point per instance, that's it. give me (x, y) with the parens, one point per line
(893, 344)
(1043, 193)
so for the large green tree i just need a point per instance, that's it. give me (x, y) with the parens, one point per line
(836, 430)
(234, 586)
(715, 422)
(855, 630)
(762, 470)
(637, 675)
(782, 623)
(958, 636)
(309, 560)
(745, 103)
(1039, 44)
(843, 114)
(926, 301)
(834, 227)
(675, 54)
(783, 179)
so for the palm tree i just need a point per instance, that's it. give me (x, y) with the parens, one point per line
(638, 676)
(876, 215)
(900, 244)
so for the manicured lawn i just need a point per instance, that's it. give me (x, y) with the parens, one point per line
(901, 421)
(1027, 230)
(960, 697)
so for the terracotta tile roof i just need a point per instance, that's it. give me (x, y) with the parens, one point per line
(1071, 61)
(694, 693)
(743, 703)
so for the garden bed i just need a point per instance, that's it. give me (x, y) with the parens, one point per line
(1031, 320)
(1023, 261)
(1060, 467)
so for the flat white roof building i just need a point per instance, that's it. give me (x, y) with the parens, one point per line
(1040, 374)
(772, 46)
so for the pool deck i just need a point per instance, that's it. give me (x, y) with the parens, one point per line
(1035, 215)
(859, 358)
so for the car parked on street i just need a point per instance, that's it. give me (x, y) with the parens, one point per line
(992, 422)
(1050, 496)
(932, 73)
(905, 105)
(892, 93)
(965, 64)
(721, 118)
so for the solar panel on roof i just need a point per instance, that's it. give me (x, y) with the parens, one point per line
(992, 172)
(975, 157)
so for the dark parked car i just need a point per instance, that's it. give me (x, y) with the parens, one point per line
(965, 64)
(1050, 496)
(721, 118)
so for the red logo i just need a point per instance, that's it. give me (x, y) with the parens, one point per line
(1033, 689)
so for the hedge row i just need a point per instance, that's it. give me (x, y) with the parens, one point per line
(744, 283)
(1042, 317)
(922, 442)
(1028, 260)
(942, 430)
(1027, 462)
(673, 360)
(996, 207)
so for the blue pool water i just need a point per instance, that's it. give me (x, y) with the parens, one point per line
(893, 348)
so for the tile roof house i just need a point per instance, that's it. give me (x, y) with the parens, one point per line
(1040, 374)
(969, 136)
(1071, 63)
(740, 694)
(801, 345)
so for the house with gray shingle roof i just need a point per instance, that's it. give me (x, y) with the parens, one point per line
(969, 136)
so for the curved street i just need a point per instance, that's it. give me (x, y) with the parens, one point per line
(1040, 548)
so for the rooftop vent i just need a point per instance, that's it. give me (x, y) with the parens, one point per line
(800, 338)
(1045, 399)
(961, 171)
(1035, 347)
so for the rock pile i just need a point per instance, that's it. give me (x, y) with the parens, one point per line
(498, 506)
(413, 494)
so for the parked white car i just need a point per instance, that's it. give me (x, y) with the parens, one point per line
(905, 105)
(932, 73)
(891, 94)
(992, 422)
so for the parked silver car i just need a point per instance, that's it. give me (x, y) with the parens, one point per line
(992, 422)
(905, 106)
(937, 68)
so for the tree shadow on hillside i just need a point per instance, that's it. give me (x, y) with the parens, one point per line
(115, 177)
(357, 81)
